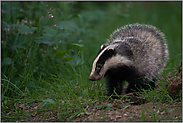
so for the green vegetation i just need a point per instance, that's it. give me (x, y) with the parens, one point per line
(47, 50)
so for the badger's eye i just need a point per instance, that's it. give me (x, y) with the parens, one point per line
(98, 67)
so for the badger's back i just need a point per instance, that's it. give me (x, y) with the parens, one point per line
(148, 46)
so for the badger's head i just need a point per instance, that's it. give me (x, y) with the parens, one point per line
(109, 57)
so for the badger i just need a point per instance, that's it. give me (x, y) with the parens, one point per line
(135, 53)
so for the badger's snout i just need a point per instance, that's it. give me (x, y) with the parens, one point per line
(95, 77)
(92, 78)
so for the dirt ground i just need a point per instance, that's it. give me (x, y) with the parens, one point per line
(133, 113)
(115, 112)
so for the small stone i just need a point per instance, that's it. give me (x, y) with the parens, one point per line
(125, 114)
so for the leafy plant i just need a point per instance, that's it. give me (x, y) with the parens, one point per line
(48, 48)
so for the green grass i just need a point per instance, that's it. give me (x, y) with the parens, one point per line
(50, 64)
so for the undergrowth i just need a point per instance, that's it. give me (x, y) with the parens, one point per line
(47, 49)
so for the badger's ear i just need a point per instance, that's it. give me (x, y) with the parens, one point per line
(111, 51)
(102, 46)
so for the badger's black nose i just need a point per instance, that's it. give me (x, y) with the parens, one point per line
(92, 78)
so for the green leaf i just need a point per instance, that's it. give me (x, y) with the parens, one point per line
(75, 45)
(60, 53)
(24, 28)
(50, 31)
(63, 35)
(45, 39)
(67, 26)
(76, 60)
(49, 101)
(67, 58)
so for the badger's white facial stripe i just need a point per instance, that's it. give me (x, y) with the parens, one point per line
(115, 61)
(99, 55)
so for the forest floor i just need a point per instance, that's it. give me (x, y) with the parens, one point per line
(117, 113)
(128, 108)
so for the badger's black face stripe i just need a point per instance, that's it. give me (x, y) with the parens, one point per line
(102, 47)
(106, 55)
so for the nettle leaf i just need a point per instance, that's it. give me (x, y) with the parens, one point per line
(76, 60)
(60, 53)
(50, 31)
(63, 35)
(53, 32)
(24, 28)
(75, 45)
(60, 36)
(45, 39)
(63, 56)
(67, 26)
(67, 58)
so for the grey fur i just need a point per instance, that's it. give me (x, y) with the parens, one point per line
(152, 39)
(142, 47)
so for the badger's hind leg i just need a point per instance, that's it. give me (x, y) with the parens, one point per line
(137, 84)
(114, 84)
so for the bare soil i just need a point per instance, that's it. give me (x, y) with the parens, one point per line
(114, 111)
